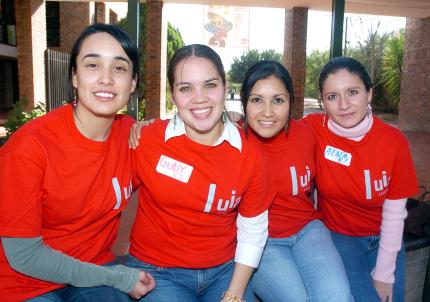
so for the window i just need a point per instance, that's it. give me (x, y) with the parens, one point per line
(7, 22)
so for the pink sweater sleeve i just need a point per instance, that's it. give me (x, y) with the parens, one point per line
(390, 241)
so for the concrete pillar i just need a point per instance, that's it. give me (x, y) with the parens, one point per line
(155, 64)
(296, 21)
(31, 46)
(414, 112)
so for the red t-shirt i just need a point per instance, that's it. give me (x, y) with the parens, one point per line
(354, 178)
(70, 190)
(292, 166)
(189, 197)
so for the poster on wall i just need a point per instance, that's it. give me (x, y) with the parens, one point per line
(226, 26)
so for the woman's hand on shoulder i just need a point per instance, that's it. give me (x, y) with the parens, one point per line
(385, 290)
(145, 284)
(133, 139)
(235, 117)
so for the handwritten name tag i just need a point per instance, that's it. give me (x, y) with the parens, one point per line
(174, 169)
(337, 156)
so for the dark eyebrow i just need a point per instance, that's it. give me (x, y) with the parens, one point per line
(212, 79)
(93, 55)
(207, 81)
(256, 94)
(281, 94)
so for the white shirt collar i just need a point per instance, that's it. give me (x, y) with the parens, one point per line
(176, 127)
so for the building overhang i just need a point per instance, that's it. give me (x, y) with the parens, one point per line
(401, 8)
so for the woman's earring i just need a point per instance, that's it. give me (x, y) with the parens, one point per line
(369, 109)
(75, 98)
(175, 116)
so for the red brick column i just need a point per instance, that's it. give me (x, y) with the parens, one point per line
(100, 12)
(414, 113)
(74, 17)
(155, 65)
(296, 21)
(113, 17)
(31, 46)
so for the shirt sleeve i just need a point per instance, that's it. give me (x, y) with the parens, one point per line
(22, 163)
(390, 240)
(251, 238)
(252, 220)
(31, 257)
(260, 192)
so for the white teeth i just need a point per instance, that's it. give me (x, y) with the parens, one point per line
(266, 122)
(200, 111)
(104, 94)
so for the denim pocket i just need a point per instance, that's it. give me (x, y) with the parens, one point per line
(147, 267)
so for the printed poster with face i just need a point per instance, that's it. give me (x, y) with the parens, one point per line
(226, 26)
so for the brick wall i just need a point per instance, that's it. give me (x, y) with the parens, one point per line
(74, 17)
(296, 21)
(113, 17)
(155, 65)
(100, 16)
(414, 112)
(31, 45)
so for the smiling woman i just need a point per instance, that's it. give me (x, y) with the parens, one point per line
(62, 180)
(365, 174)
(299, 251)
(204, 191)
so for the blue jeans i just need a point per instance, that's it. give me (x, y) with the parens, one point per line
(302, 267)
(188, 285)
(359, 257)
(83, 294)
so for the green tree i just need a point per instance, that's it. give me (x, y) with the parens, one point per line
(123, 23)
(391, 74)
(314, 63)
(247, 59)
(174, 42)
(271, 54)
(369, 52)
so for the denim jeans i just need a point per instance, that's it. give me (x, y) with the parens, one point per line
(188, 285)
(83, 294)
(302, 267)
(359, 257)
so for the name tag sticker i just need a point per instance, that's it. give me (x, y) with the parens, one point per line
(174, 169)
(337, 156)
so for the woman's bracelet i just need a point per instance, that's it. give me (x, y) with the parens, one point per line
(229, 297)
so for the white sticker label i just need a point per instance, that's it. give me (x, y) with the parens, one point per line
(337, 155)
(174, 169)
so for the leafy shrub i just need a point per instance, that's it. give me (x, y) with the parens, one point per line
(18, 116)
